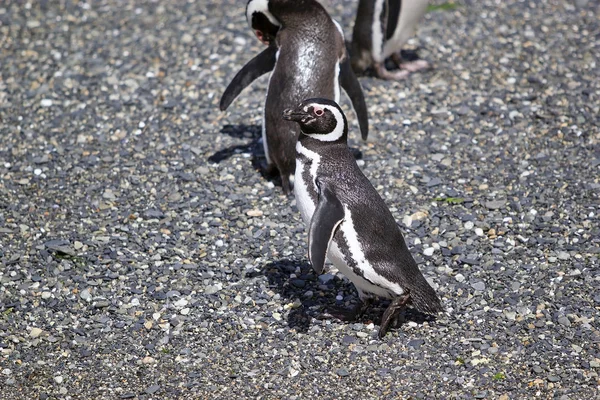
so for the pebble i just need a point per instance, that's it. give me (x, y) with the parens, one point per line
(469, 225)
(153, 389)
(181, 303)
(46, 103)
(343, 372)
(58, 379)
(428, 251)
(35, 332)
(563, 255)
(254, 213)
(325, 278)
(564, 321)
(85, 295)
(459, 277)
(480, 286)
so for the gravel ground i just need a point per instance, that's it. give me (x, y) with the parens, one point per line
(144, 256)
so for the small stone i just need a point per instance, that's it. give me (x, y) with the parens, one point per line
(35, 332)
(480, 286)
(6, 371)
(77, 245)
(46, 295)
(152, 389)
(479, 231)
(564, 321)
(299, 283)
(510, 315)
(254, 213)
(185, 311)
(553, 378)
(148, 360)
(495, 205)
(46, 103)
(563, 255)
(460, 277)
(416, 343)
(342, 372)
(469, 225)
(212, 289)
(428, 251)
(325, 278)
(85, 295)
(362, 334)
(58, 379)
(181, 303)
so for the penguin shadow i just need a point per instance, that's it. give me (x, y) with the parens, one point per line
(242, 131)
(317, 298)
(255, 148)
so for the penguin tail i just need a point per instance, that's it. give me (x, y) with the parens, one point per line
(425, 299)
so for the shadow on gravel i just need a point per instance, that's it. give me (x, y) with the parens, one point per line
(255, 148)
(322, 297)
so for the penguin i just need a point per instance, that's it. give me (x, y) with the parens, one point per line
(261, 21)
(348, 221)
(381, 28)
(308, 58)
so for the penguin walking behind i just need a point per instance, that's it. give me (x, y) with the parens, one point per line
(348, 221)
(307, 56)
(381, 28)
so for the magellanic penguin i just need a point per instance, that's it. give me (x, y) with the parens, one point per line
(262, 22)
(348, 221)
(309, 59)
(381, 28)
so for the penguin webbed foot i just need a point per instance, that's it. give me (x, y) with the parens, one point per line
(382, 72)
(391, 312)
(410, 65)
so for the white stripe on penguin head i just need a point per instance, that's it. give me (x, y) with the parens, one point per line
(260, 6)
(337, 132)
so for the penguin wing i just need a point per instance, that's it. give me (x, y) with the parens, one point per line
(325, 220)
(354, 91)
(255, 68)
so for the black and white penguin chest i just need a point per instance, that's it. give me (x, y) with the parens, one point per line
(347, 249)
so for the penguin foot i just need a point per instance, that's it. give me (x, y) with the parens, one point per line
(391, 312)
(410, 66)
(347, 315)
(383, 73)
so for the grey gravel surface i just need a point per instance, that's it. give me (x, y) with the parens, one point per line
(144, 256)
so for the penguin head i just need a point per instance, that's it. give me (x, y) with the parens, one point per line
(320, 119)
(262, 22)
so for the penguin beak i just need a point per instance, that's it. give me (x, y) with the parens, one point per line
(293, 115)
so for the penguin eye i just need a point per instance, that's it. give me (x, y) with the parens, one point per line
(318, 112)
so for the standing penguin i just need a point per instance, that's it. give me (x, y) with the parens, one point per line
(381, 28)
(349, 222)
(308, 58)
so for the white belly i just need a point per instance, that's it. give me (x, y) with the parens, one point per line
(410, 14)
(303, 201)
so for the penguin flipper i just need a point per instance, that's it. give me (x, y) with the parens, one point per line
(261, 64)
(354, 91)
(325, 220)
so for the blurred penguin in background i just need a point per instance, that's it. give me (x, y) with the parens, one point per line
(381, 28)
